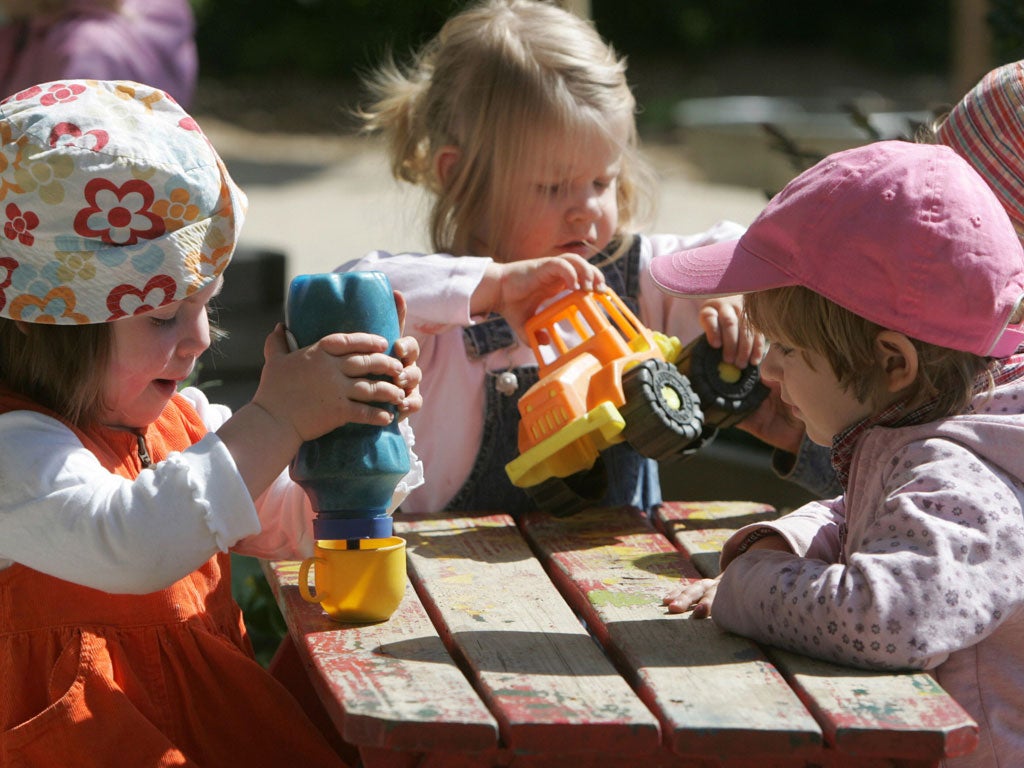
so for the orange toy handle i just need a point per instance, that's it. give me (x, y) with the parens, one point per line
(308, 596)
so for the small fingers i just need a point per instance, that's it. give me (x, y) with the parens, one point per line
(402, 308)
(358, 366)
(407, 349)
(376, 391)
(587, 277)
(693, 596)
(758, 348)
(365, 413)
(340, 344)
(709, 324)
(276, 343)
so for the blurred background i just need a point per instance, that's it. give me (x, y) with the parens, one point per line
(304, 56)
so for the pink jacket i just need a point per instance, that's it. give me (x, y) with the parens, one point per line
(920, 565)
(149, 41)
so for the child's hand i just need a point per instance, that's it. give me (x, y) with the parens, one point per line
(515, 289)
(723, 323)
(325, 385)
(407, 350)
(693, 595)
(773, 422)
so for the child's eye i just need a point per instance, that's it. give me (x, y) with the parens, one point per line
(783, 349)
(602, 184)
(551, 190)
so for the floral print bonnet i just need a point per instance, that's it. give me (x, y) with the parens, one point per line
(112, 202)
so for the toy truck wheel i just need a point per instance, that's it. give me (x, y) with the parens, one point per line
(662, 413)
(727, 394)
(565, 496)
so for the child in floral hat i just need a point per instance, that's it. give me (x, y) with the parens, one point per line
(120, 643)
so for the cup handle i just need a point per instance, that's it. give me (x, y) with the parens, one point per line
(308, 596)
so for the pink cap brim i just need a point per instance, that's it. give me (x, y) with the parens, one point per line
(721, 269)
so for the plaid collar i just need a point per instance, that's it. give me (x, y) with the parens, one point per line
(844, 444)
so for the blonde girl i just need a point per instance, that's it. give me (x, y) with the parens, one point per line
(519, 120)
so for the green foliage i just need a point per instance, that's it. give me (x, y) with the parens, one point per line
(337, 39)
(322, 39)
(1006, 20)
(263, 620)
(910, 35)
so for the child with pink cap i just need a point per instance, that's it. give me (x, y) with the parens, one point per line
(120, 643)
(889, 280)
(986, 128)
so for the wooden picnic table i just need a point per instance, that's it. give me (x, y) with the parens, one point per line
(545, 643)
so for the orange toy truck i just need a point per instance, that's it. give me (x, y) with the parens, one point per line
(606, 378)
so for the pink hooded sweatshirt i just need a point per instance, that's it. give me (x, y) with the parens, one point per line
(920, 565)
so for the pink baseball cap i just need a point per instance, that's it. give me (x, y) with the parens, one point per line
(906, 235)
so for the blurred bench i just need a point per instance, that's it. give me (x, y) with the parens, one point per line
(248, 307)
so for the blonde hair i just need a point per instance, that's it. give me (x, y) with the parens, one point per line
(498, 78)
(946, 377)
(61, 367)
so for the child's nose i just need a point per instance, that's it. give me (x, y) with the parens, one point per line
(585, 206)
(196, 338)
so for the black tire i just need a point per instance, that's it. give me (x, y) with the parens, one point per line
(724, 402)
(565, 496)
(662, 413)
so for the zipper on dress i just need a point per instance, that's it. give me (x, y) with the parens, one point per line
(144, 456)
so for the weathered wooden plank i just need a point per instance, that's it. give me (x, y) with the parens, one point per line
(717, 694)
(877, 713)
(861, 713)
(700, 528)
(546, 681)
(390, 684)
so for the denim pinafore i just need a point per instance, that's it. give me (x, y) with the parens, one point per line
(632, 479)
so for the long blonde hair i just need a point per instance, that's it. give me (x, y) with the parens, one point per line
(497, 79)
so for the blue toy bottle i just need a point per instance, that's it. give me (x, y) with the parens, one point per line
(349, 474)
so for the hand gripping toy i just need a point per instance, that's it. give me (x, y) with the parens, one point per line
(350, 474)
(605, 378)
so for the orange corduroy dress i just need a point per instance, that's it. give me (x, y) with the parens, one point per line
(89, 678)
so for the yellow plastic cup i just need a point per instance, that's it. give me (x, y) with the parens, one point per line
(356, 586)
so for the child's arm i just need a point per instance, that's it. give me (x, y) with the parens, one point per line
(927, 566)
(70, 517)
(811, 531)
(697, 596)
(444, 291)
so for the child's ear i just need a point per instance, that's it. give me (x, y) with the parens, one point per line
(897, 358)
(444, 161)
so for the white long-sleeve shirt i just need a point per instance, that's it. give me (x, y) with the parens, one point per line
(64, 514)
(438, 288)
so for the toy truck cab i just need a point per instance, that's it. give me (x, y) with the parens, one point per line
(605, 378)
